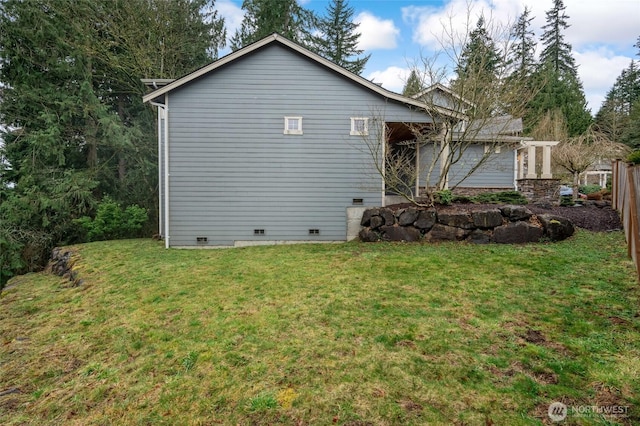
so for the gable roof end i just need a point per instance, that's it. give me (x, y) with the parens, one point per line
(277, 38)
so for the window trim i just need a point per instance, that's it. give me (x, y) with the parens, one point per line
(287, 130)
(354, 131)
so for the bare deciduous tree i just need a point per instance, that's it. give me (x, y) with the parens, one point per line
(577, 154)
(478, 115)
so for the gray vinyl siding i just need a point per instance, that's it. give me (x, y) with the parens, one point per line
(496, 172)
(427, 154)
(232, 170)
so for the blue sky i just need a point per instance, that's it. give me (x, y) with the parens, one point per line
(398, 33)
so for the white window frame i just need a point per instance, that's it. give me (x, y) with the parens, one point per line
(497, 149)
(298, 130)
(354, 129)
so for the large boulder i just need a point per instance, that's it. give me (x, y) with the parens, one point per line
(376, 222)
(516, 213)
(556, 228)
(400, 233)
(457, 219)
(480, 236)
(426, 219)
(487, 218)
(441, 232)
(408, 216)
(388, 216)
(367, 215)
(368, 235)
(517, 233)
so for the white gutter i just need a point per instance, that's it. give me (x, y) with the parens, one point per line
(165, 109)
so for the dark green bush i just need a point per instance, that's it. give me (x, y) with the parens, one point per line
(589, 189)
(504, 197)
(112, 222)
(634, 157)
(444, 197)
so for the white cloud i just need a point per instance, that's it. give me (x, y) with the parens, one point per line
(601, 32)
(376, 33)
(451, 23)
(591, 21)
(392, 78)
(598, 70)
(232, 14)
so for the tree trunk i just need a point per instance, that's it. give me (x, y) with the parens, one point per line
(122, 165)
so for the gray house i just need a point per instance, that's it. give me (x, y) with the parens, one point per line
(266, 144)
(271, 143)
(472, 171)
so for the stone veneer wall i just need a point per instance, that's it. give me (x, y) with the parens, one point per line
(540, 190)
(506, 225)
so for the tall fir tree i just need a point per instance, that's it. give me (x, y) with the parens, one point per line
(413, 86)
(338, 39)
(613, 118)
(557, 77)
(478, 69)
(77, 128)
(265, 17)
(557, 52)
(521, 59)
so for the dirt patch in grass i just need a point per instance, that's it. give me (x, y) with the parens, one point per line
(534, 336)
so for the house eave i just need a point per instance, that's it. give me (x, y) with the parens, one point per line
(432, 109)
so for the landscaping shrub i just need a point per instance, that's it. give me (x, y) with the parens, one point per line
(444, 197)
(112, 222)
(589, 189)
(504, 197)
(634, 157)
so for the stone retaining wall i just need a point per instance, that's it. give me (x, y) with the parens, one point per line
(505, 225)
(61, 264)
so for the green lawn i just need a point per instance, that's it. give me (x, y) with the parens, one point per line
(347, 334)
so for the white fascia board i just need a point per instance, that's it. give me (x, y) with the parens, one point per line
(317, 58)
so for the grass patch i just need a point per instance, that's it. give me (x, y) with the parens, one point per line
(347, 334)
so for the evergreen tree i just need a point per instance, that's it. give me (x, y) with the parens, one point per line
(338, 40)
(557, 52)
(413, 86)
(480, 57)
(265, 17)
(557, 77)
(613, 117)
(72, 102)
(478, 69)
(631, 134)
(521, 58)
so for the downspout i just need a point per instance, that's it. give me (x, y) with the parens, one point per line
(165, 108)
(516, 166)
(160, 192)
(383, 147)
(417, 194)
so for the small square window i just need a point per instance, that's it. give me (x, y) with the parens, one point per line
(293, 125)
(496, 148)
(359, 126)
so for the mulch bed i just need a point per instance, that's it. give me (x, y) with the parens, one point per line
(590, 217)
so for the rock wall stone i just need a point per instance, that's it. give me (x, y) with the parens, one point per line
(502, 225)
(61, 264)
